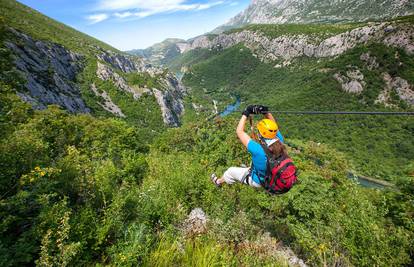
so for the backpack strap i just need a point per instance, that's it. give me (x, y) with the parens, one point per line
(268, 169)
(269, 156)
(266, 150)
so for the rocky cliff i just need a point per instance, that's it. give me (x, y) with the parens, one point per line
(50, 71)
(169, 95)
(316, 11)
(290, 46)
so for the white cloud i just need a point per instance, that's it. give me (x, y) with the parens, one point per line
(95, 18)
(123, 9)
(210, 5)
(139, 4)
(143, 8)
(122, 15)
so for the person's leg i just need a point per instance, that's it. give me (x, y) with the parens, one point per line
(232, 175)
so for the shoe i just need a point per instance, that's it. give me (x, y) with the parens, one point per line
(214, 179)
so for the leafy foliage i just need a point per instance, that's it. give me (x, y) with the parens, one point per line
(327, 218)
(69, 170)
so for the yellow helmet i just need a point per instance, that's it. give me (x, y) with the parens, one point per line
(267, 128)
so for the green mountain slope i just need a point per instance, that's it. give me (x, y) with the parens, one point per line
(89, 193)
(321, 218)
(378, 146)
(81, 74)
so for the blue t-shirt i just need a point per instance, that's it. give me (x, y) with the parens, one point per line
(259, 158)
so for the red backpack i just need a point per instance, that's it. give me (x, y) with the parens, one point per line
(281, 174)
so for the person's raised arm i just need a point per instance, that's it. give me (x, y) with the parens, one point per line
(241, 134)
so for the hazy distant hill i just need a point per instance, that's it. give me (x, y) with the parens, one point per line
(161, 53)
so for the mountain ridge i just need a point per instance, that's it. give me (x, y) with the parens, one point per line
(161, 53)
(59, 65)
(314, 11)
(291, 12)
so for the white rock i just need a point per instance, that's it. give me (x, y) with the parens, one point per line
(352, 82)
(105, 73)
(108, 105)
(196, 223)
(404, 90)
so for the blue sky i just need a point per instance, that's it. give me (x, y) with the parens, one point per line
(130, 24)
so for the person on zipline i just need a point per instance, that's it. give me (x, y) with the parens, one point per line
(271, 167)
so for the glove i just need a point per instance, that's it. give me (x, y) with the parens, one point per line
(260, 109)
(248, 111)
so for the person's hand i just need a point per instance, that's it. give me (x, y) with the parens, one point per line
(260, 109)
(249, 110)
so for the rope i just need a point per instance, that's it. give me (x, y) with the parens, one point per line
(382, 113)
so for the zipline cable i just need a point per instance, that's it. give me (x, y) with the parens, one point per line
(381, 113)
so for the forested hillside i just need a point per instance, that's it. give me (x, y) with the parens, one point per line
(97, 188)
(362, 78)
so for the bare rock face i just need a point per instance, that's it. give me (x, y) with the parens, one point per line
(401, 38)
(370, 61)
(169, 97)
(50, 72)
(311, 11)
(123, 63)
(352, 82)
(105, 73)
(288, 47)
(404, 90)
(127, 64)
(170, 102)
(107, 105)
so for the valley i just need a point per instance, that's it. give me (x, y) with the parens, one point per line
(106, 156)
